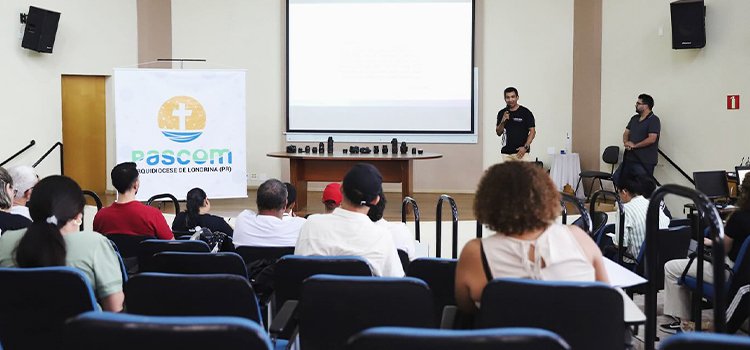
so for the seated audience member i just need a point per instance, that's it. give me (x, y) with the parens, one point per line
(268, 228)
(291, 200)
(520, 203)
(402, 237)
(24, 180)
(332, 197)
(8, 220)
(196, 214)
(635, 207)
(53, 239)
(677, 297)
(127, 215)
(348, 230)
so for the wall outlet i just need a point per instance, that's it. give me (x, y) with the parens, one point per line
(253, 176)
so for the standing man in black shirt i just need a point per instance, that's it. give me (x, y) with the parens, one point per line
(641, 141)
(517, 123)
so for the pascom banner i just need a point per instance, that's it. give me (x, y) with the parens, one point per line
(183, 129)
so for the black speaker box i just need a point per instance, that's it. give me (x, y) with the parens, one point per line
(688, 24)
(41, 28)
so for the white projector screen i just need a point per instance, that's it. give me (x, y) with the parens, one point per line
(380, 66)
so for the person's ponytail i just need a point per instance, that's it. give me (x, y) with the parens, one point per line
(195, 199)
(55, 201)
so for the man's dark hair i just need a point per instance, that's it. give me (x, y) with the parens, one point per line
(376, 211)
(271, 195)
(124, 175)
(291, 194)
(636, 185)
(647, 99)
(510, 89)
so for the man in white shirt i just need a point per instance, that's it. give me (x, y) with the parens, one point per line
(635, 208)
(269, 227)
(349, 231)
(24, 180)
(402, 237)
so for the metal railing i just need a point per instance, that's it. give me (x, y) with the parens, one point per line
(31, 143)
(415, 209)
(439, 227)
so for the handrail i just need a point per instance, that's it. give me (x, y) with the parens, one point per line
(31, 143)
(96, 198)
(439, 227)
(620, 215)
(168, 196)
(62, 164)
(670, 161)
(415, 208)
(707, 210)
(564, 197)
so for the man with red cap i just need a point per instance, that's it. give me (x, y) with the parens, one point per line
(349, 231)
(332, 197)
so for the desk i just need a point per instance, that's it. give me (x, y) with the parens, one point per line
(565, 170)
(620, 277)
(304, 167)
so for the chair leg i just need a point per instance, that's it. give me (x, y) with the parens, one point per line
(575, 192)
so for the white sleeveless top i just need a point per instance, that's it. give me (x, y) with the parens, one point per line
(563, 257)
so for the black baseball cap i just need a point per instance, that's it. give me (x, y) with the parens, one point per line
(362, 184)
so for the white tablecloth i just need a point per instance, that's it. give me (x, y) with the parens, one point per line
(564, 171)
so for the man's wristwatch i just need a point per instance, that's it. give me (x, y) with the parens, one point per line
(527, 147)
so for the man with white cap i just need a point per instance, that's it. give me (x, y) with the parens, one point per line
(349, 231)
(24, 180)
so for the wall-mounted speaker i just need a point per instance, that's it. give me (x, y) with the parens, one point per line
(41, 28)
(688, 24)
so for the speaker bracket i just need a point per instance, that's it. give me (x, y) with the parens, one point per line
(23, 16)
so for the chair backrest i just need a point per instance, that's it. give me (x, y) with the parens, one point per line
(35, 302)
(105, 330)
(598, 220)
(611, 155)
(405, 338)
(440, 275)
(149, 247)
(403, 256)
(673, 244)
(334, 308)
(705, 341)
(162, 294)
(127, 244)
(252, 254)
(198, 263)
(292, 270)
(588, 315)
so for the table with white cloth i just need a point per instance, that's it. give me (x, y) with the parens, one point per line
(565, 170)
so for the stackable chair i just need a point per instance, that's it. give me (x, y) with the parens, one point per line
(334, 308)
(440, 276)
(588, 315)
(149, 247)
(127, 247)
(674, 243)
(162, 294)
(104, 330)
(251, 254)
(198, 263)
(705, 341)
(405, 338)
(35, 302)
(611, 156)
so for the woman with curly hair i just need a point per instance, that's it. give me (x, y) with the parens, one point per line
(519, 201)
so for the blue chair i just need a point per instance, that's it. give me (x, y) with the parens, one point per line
(404, 338)
(440, 276)
(334, 308)
(588, 315)
(705, 341)
(35, 302)
(738, 277)
(162, 294)
(105, 330)
(198, 263)
(149, 247)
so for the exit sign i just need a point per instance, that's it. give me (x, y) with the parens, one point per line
(733, 101)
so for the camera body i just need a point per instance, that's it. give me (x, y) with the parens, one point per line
(291, 149)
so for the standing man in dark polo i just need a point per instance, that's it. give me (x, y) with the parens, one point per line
(517, 123)
(641, 141)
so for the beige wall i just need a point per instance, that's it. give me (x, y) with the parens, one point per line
(689, 86)
(92, 38)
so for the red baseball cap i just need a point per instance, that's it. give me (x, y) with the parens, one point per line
(332, 192)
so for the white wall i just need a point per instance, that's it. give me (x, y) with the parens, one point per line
(689, 86)
(246, 35)
(92, 38)
(529, 45)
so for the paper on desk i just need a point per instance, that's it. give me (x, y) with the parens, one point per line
(620, 276)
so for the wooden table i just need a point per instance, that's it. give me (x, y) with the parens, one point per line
(304, 167)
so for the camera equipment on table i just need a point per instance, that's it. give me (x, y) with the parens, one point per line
(404, 148)
(376, 149)
(291, 149)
